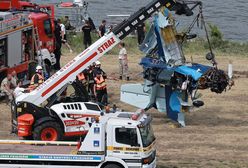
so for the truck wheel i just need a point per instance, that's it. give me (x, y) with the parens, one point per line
(49, 131)
(112, 166)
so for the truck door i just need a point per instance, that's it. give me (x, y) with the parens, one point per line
(127, 145)
(3, 57)
(14, 49)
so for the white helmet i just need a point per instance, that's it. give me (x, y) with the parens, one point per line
(98, 63)
(38, 68)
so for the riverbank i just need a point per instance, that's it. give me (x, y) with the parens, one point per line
(196, 46)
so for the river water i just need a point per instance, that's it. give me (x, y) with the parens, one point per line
(231, 16)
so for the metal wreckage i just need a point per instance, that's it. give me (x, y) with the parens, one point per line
(171, 83)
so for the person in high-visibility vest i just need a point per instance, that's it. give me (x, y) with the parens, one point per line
(37, 79)
(80, 86)
(101, 89)
(81, 77)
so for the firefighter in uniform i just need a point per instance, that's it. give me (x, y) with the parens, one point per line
(98, 68)
(37, 79)
(101, 89)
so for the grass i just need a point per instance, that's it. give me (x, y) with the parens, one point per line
(226, 47)
(76, 42)
(197, 46)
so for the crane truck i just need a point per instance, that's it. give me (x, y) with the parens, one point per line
(115, 140)
(40, 115)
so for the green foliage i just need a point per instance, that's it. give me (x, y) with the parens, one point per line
(234, 48)
(215, 32)
(131, 44)
(216, 37)
(198, 46)
(224, 46)
(76, 42)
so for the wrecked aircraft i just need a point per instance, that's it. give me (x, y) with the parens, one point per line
(171, 83)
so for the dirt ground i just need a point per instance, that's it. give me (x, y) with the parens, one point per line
(216, 135)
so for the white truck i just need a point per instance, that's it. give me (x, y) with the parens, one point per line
(114, 140)
(34, 120)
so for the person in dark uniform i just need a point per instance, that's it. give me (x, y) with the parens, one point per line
(91, 82)
(141, 30)
(86, 29)
(102, 28)
(58, 43)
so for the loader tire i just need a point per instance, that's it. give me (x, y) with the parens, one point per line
(48, 131)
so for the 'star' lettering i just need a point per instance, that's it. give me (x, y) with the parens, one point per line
(106, 45)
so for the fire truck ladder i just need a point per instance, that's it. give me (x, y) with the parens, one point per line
(38, 50)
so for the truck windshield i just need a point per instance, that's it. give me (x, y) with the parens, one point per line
(48, 28)
(147, 135)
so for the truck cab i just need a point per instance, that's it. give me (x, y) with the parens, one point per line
(129, 139)
(138, 149)
(45, 29)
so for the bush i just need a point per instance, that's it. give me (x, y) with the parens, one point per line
(216, 37)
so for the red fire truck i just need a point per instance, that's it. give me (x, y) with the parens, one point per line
(26, 31)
